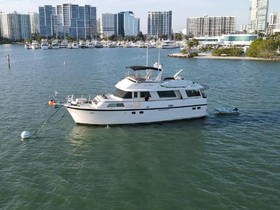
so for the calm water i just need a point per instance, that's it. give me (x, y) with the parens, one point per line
(230, 162)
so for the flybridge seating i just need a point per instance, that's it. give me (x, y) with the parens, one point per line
(137, 68)
(145, 77)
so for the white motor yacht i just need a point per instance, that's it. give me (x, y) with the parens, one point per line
(27, 45)
(75, 45)
(44, 44)
(35, 45)
(167, 44)
(142, 98)
(55, 44)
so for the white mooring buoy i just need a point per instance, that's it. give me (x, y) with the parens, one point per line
(25, 134)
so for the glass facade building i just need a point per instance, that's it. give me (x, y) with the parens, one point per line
(68, 19)
(46, 17)
(34, 22)
(15, 26)
(127, 24)
(25, 26)
(258, 16)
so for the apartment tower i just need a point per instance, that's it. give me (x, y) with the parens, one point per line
(159, 24)
(15, 26)
(210, 26)
(107, 24)
(274, 23)
(258, 16)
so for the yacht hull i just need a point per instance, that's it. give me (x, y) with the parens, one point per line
(134, 116)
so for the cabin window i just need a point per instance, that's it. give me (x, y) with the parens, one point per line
(115, 105)
(94, 101)
(192, 93)
(122, 94)
(145, 94)
(135, 94)
(203, 93)
(166, 94)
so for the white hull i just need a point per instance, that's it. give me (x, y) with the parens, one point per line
(133, 116)
(169, 46)
(44, 47)
(55, 47)
(34, 47)
(75, 46)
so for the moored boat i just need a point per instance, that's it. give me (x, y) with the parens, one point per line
(74, 45)
(55, 44)
(35, 45)
(98, 44)
(168, 44)
(142, 98)
(44, 44)
(27, 45)
(226, 111)
(64, 43)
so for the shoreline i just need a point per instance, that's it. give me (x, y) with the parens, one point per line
(207, 56)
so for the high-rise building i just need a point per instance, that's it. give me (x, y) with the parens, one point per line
(274, 19)
(46, 20)
(274, 23)
(10, 26)
(15, 26)
(127, 24)
(159, 24)
(76, 21)
(34, 22)
(24, 26)
(107, 27)
(68, 19)
(258, 16)
(210, 26)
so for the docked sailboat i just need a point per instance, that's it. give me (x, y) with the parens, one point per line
(142, 98)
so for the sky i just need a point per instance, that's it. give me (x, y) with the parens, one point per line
(181, 9)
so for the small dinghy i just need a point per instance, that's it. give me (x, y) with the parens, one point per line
(226, 110)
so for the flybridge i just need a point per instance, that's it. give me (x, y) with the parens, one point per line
(138, 68)
(148, 76)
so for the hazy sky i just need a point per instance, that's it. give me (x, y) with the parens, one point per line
(181, 9)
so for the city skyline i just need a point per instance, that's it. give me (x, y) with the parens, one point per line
(182, 9)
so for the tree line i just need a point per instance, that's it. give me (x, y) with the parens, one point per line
(263, 47)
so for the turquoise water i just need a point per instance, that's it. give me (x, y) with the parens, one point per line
(229, 162)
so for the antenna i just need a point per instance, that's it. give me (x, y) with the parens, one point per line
(147, 55)
(159, 55)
